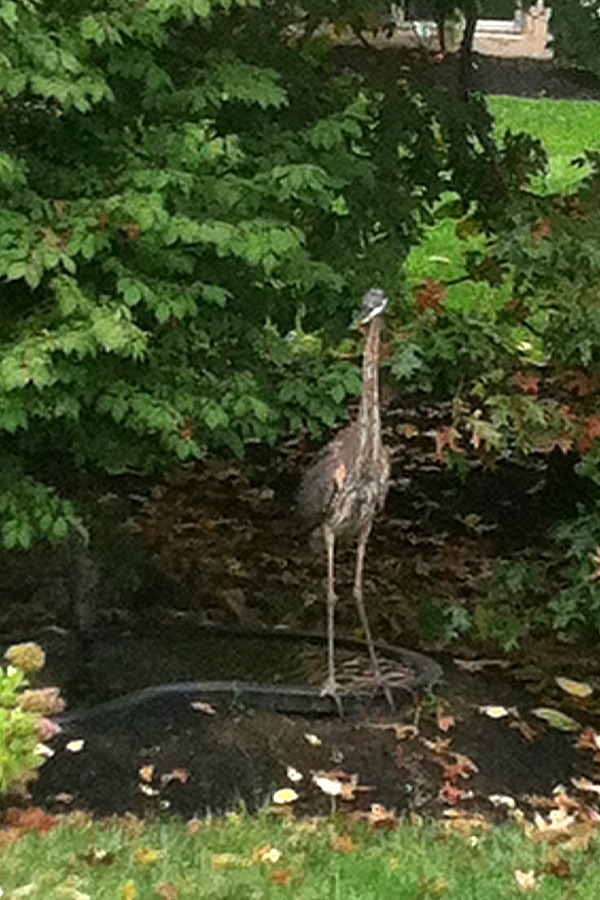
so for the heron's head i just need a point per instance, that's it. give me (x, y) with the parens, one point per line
(373, 304)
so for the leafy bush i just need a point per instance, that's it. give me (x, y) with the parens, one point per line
(575, 28)
(180, 181)
(23, 712)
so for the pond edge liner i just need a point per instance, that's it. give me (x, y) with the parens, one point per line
(286, 699)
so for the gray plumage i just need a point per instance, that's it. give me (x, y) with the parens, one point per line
(347, 484)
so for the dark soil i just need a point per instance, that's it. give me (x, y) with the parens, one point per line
(219, 544)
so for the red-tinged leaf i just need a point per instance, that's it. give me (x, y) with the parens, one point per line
(564, 441)
(281, 876)
(592, 427)
(451, 794)
(588, 740)
(445, 437)
(582, 384)
(540, 231)
(527, 384)
(429, 295)
(180, 775)
(444, 722)
(33, 819)
(462, 767)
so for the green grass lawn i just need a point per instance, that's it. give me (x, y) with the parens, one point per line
(243, 858)
(566, 127)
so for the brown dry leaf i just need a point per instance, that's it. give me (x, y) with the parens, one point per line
(146, 773)
(526, 881)
(582, 384)
(33, 819)
(444, 722)
(584, 784)
(557, 866)
(439, 746)
(281, 876)
(429, 295)
(527, 384)
(381, 818)
(406, 732)
(462, 767)
(446, 437)
(526, 730)
(463, 823)
(588, 740)
(342, 843)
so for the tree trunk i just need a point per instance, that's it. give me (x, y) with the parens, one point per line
(471, 11)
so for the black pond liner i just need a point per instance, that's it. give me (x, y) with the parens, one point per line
(422, 673)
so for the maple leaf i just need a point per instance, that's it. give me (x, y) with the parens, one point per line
(592, 427)
(527, 384)
(540, 231)
(582, 384)
(429, 295)
(446, 436)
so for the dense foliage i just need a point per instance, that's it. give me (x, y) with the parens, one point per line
(575, 28)
(192, 202)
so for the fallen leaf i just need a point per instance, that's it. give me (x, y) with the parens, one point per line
(224, 860)
(63, 797)
(75, 746)
(147, 790)
(405, 732)
(381, 818)
(129, 891)
(557, 866)
(97, 856)
(265, 854)
(330, 786)
(444, 722)
(579, 689)
(588, 740)
(524, 728)
(202, 707)
(462, 767)
(281, 876)
(584, 784)
(502, 800)
(449, 793)
(32, 819)
(285, 795)
(146, 773)
(342, 843)
(527, 384)
(556, 719)
(478, 665)
(166, 890)
(180, 775)
(494, 712)
(526, 881)
(439, 746)
(147, 856)
(313, 740)
(293, 774)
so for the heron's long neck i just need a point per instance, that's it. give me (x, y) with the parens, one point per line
(368, 416)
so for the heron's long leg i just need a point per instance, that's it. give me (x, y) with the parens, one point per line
(360, 604)
(330, 687)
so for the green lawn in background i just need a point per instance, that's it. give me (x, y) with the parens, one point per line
(264, 857)
(566, 127)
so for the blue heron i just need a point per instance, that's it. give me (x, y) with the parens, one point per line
(347, 485)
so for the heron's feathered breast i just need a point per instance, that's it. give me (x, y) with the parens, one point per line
(342, 489)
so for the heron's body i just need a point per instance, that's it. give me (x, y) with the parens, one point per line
(347, 485)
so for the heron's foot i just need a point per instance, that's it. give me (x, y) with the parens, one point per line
(331, 688)
(381, 682)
